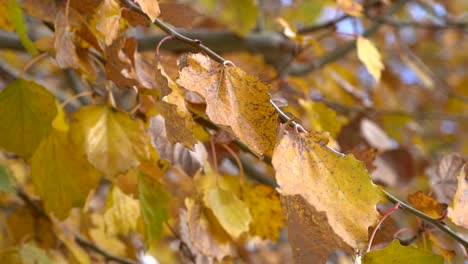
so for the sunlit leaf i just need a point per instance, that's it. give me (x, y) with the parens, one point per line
(26, 113)
(426, 204)
(122, 214)
(350, 7)
(231, 212)
(150, 7)
(98, 233)
(16, 17)
(62, 177)
(396, 253)
(370, 56)
(110, 138)
(60, 123)
(458, 210)
(322, 118)
(109, 20)
(154, 204)
(232, 97)
(339, 186)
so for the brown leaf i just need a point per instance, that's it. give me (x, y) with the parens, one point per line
(66, 55)
(443, 177)
(427, 204)
(459, 209)
(234, 99)
(311, 237)
(394, 167)
(178, 14)
(150, 8)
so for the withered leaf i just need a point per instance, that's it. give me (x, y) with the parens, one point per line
(444, 175)
(426, 204)
(338, 186)
(459, 210)
(234, 99)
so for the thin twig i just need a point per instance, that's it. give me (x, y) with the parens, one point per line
(387, 214)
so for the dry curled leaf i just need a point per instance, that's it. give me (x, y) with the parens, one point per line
(443, 176)
(459, 209)
(232, 96)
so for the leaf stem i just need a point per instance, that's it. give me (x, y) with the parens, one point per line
(387, 214)
(439, 224)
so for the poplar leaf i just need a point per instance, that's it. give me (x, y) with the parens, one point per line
(426, 204)
(339, 186)
(396, 253)
(62, 177)
(16, 17)
(26, 113)
(231, 212)
(112, 141)
(234, 99)
(459, 209)
(122, 214)
(154, 204)
(370, 56)
(150, 8)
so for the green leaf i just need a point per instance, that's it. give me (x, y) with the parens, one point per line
(31, 254)
(62, 177)
(154, 205)
(231, 212)
(110, 138)
(27, 110)
(6, 182)
(16, 17)
(396, 253)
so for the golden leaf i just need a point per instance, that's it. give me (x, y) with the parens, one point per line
(350, 7)
(370, 56)
(122, 214)
(111, 140)
(234, 99)
(426, 204)
(339, 186)
(150, 7)
(62, 177)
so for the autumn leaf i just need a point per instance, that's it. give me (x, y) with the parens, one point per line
(110, 138)
(426, 204)
(150, 7)
(64, 43)
(122, 214)
(240, 16)
(231, 212)
(109, 22)
(61, 176)
(232, 98)
(322, 118)
(311, 237)
(6, 179)
(444, 176)
(179, 122)
(459, 208)
(370, 56)
(203, 232)
(396, 253)
(101, 237)
(26, 113)
(339, 186)
(154, 204)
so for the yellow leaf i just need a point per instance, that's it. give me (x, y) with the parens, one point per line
(322, 118)
(26, 113)
(396, 253)
(150, 7)
(232, 98)
(231, 212)
(350, 7)
(370, 56)
(108, 21)
(122, 214)
(62, 177)
(339, 186)
(100, 236)
(77, 254)
(154, 204)
(111, 140)
(459, 208)
(426, 204)
(31, 254)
